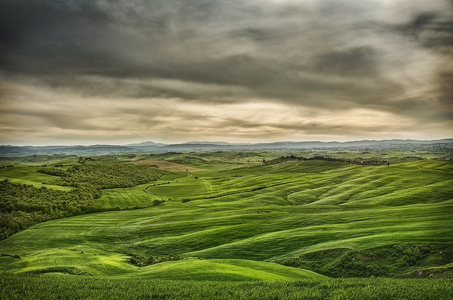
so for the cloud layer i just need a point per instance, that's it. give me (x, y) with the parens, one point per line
(86, 71)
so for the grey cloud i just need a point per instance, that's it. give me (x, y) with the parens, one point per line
(327, 55)
(308, 127)
(117, 88)
(446, 90)
(430, 30)
(56, 119)
(359, 61)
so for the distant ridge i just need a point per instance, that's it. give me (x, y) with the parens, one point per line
(145, 144)
(207, 143)
(8, 150)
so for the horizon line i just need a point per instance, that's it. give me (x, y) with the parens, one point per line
(225, 143)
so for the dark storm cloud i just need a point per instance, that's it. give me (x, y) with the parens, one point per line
(430, 30)
(360, 61)
(384, 56)
(41, 37)
(435, 32)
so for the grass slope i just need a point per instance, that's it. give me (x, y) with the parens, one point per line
(126, 197)
(293, 210)
(224, 270)
(30, 175)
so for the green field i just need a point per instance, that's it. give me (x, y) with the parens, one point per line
(80, 287)
(29, 175)
(223, 219)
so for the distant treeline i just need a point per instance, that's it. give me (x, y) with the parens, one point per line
(358, 160)
(24, 205)
(103, 176)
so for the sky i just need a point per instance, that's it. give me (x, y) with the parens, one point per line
(106, 71)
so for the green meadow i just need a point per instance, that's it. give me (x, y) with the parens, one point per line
(29, 175)
(222, 225)
(80, 287)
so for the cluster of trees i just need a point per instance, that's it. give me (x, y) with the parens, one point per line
(282, 159)
(383, 261)
(7, 166)
(411, 254)
(141, 261)
(358, 160)
(24, 205)
(104, 176)
(400, 257)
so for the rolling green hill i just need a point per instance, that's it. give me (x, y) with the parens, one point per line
(226, 220)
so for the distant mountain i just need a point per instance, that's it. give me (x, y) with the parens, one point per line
(198, 146)
(143, 144)
(203, 145)
(349, 144)
(14, 150)
(8, 150)
(66, 150)
(207, 143)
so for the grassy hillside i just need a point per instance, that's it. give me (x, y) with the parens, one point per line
(23, 205)
(331, 217)
(29, 175)
(224, 270)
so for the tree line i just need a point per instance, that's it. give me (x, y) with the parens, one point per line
(23, 205)
(358, 160)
